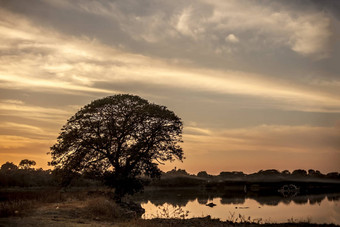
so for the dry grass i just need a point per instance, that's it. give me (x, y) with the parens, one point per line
(20, 202)
(103, 208)
(10, 208)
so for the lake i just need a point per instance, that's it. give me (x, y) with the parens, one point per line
(235, 206)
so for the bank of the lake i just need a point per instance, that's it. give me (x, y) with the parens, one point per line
(76, 213)
(93, 208)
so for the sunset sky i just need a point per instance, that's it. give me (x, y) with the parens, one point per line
(256, 83)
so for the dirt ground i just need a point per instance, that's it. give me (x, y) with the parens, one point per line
(57, 214)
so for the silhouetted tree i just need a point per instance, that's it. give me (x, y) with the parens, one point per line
(299, 172)
(314, 173)
(285, 172)
(269, 172)
(9, 166)
(311, 172)
(177, 172)
(333, 175)
(203, 174)
(26, 164)
(232, 174)
(119, 138)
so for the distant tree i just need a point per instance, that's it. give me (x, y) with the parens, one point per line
(26, 164)
(9, 166)
(203, 174)
(299, 172)
(177, 172)
(311, 172)
(285, 172)
(333, 175)
(119, 138)
(314, 173)
(232, 174)
(269, 172)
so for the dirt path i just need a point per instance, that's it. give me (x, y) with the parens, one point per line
(69, 213)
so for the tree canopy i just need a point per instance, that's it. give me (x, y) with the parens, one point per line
(9, 166)
(118, 137)
(26, 164)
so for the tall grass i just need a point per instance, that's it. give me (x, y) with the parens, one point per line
(103, 208)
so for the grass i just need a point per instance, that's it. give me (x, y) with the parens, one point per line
(167, 212)
(103, 208)
(14, 203)
(10, 208)
(19, 202)
(233, 218)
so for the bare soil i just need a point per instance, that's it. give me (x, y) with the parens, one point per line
(69, 213)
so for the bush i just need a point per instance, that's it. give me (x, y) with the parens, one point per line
(101, 207)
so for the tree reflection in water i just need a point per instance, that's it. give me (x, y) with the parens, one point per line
(180, 197)
(273, 206)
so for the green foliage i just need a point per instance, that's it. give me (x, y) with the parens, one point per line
(118, 137)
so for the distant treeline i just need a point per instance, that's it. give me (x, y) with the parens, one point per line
(25, 175)
(260, 174)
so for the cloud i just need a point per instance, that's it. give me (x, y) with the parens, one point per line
(19, 106)
(232, 38)
(307, 33)
(264, 147)
(196, 131)
(60, 64)
(31, 131)
(311, 35)
(10, 142)
(14, 110)
(268, 138)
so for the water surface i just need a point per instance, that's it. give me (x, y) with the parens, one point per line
(320, 209)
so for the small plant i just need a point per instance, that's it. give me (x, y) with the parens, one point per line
(231, 217)
(295, 220)
(243, 219)
(292, 220)
(167, 211)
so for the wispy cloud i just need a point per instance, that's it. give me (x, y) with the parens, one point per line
(10, 142)
(250, 147)
(58, 63)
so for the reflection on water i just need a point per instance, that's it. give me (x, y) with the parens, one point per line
(324, 208)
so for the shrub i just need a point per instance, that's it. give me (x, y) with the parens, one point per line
(101, 207)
